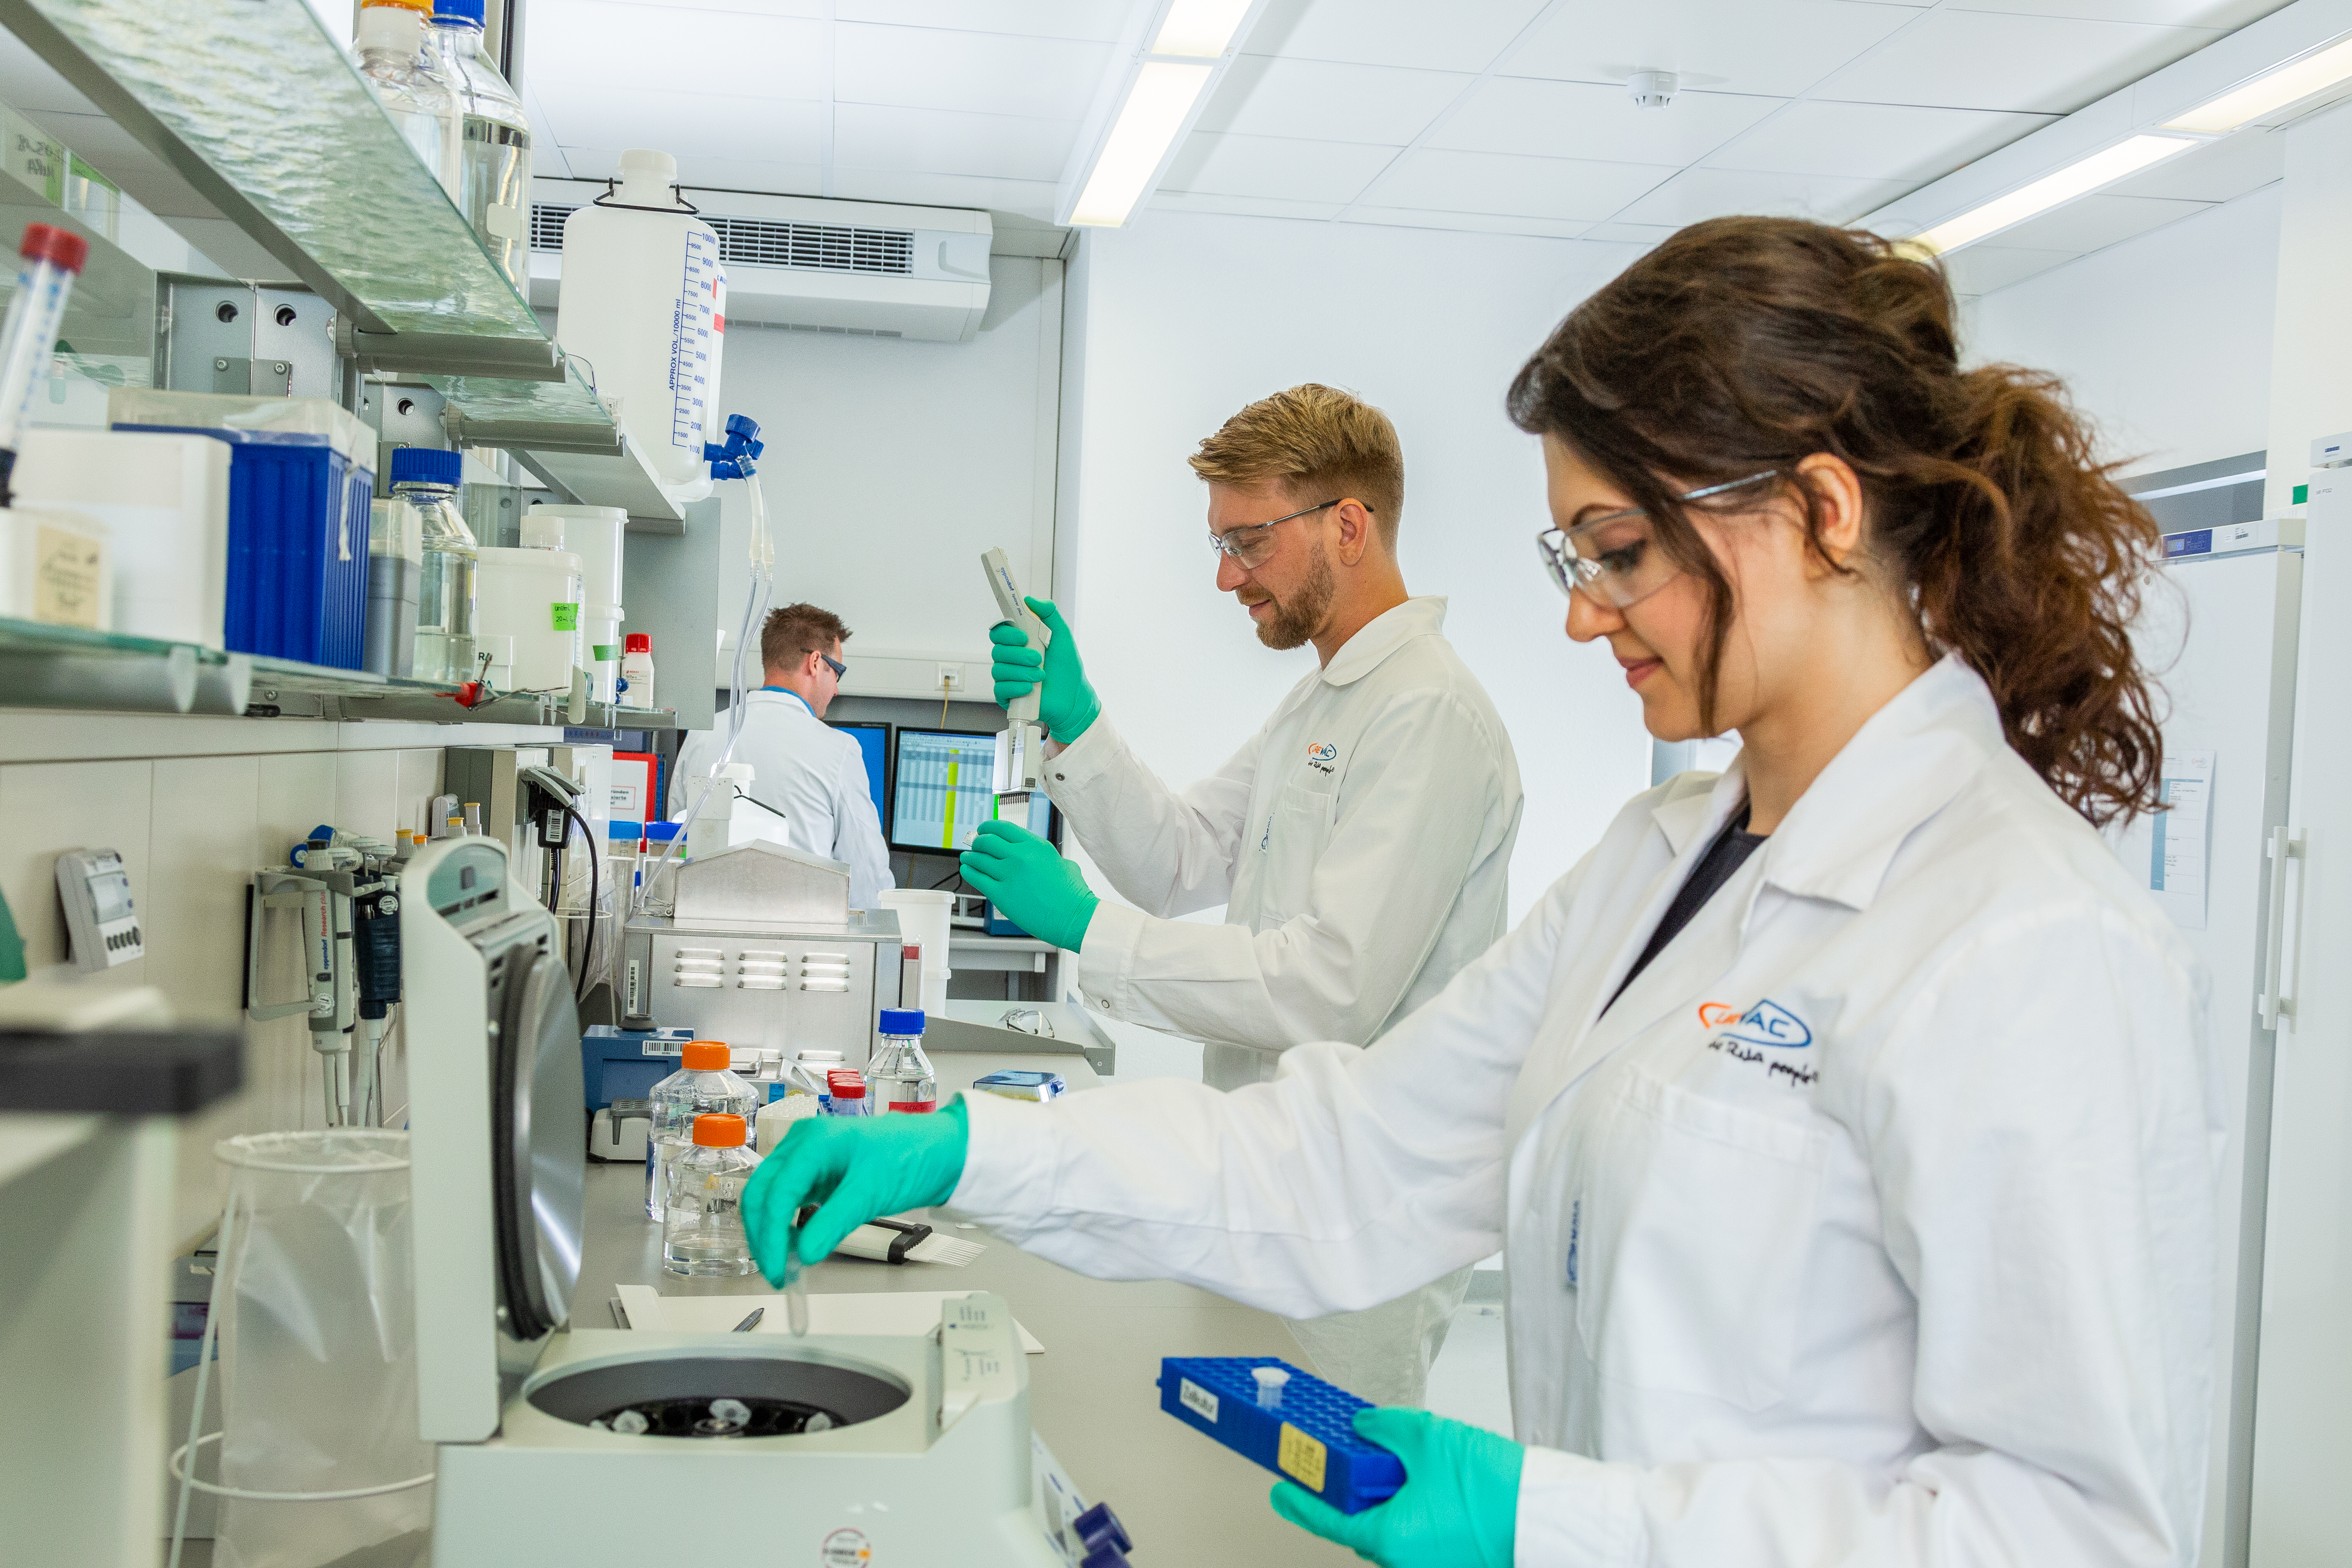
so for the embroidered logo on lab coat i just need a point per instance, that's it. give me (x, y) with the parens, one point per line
(1320, 755)
(1766, 1024)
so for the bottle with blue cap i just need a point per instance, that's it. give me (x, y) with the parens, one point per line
(901, 1075)
(429, 481)
(494, 174)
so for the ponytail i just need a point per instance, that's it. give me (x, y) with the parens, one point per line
(1747, 344)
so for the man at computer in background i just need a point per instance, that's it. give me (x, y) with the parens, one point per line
(811, 775)
(1360, 841)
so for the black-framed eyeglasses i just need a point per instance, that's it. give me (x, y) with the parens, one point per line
(839, 669)
(1250, 545)
(1611, 559)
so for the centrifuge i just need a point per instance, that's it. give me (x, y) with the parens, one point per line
(597, 1448)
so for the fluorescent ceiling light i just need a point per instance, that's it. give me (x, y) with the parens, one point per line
(2076, 179)
(2272, 90)
(1155, 111)
(1199, 28)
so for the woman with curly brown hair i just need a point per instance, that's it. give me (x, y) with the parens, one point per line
(1845, 1119)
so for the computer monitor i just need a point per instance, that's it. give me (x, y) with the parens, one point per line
(873, 737)
(942, 788)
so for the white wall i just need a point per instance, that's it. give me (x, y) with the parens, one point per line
(1176, 323)
(2165, 339)
(891, 465)
(2310, 393)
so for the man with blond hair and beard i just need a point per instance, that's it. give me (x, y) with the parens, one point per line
(1360, 841)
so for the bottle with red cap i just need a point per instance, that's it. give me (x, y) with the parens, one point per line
(702, 1234)
(637, 669)
(703, 1085)
(48, 262)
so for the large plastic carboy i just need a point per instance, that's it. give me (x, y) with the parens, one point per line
(429, 481)
(494, 179)
(702, 1231)
(701, 1086)
(901, 1074)
(390, 52)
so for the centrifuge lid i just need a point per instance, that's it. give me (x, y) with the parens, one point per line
(539, 1159)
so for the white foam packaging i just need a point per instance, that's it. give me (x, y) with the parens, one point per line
(160, 502)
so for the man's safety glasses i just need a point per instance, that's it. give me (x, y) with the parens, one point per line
(1612, 560)
(839, 669)
(1250, 546)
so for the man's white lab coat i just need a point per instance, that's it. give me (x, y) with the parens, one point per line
(811, 772)
(1359, 842)
(1874, 1224)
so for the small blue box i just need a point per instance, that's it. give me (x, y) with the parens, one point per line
(1310, 1438)
(626, 1063)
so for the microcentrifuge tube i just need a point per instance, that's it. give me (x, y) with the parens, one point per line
(1270, 1380)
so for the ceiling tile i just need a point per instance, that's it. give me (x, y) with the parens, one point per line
(1101, 20)
(1438, 180)
(1459, 36)
(942, 142)
(2222, 14)
(1587, 120)
(1981, 268)
(1872, 141)
(605, 46)
(712, 173)
(1777, 47)
(980, 73)
(2044, 65)
(1244, 206)
(2094, 223)
(1323, 101)
(685, 125)
(1282, 167)
(1695, 194)
(1028, 198)
(2217, 171)
(1476, 222)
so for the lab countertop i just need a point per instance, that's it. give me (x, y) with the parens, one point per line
(1093, 1394)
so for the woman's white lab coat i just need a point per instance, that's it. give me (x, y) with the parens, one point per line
(1874, 1222)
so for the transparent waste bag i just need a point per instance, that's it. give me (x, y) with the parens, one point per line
(319, 1462)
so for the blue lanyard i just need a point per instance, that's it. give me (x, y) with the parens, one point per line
(794, 695)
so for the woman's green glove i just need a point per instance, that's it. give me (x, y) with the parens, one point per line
(1030, 883)
(1459, 1507)
(859, 1168)
(1068, 704)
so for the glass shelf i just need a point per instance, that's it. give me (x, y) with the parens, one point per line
(43, 666)
(267, 117)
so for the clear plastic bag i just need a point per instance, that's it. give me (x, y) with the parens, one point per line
(319, 1458)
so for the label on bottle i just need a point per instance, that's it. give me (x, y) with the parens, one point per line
(566, 617)
(902, 1105)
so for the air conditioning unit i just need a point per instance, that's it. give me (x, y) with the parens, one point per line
(853, 268)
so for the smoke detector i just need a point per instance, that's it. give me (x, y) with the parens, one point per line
(1652, 89)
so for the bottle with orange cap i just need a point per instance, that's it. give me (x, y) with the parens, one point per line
(702, 1234)
(703, 1084)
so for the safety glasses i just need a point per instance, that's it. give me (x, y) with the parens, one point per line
(1250, 546)
(1613, 560)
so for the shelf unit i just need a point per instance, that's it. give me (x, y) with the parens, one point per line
(43, 665)
(327, 185)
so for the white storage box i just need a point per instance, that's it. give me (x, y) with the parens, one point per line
(162, 501)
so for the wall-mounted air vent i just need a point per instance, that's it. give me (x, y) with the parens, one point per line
(762, 242)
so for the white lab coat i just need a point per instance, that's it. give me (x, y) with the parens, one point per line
(1874, 1224)
(811, 772)
(1361, 843)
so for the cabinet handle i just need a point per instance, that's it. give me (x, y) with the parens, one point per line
(2272, 1006)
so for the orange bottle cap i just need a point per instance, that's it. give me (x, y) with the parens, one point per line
(719, 1130)
(707, 1055)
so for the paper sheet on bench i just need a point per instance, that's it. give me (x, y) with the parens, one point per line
(860, 1312)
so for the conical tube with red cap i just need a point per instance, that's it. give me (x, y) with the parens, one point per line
(48, 262)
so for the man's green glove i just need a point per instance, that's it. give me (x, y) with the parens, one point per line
(1068, 704)
(1459, 1507)
(859, 1168)
(1028, 880)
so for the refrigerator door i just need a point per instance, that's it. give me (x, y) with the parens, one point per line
(2220, 631)
(2302, 1441)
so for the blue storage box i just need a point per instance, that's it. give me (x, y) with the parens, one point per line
(626, 1063)
(301, 474)
(1310, 1438)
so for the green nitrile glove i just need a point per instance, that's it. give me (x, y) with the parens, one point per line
(1068, 704)
(1028, 880)
(1459, 1507)
(859, 1168)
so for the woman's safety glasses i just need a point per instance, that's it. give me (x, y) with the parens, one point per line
(1613, 559)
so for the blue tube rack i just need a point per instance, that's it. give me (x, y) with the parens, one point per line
(1310, 1438)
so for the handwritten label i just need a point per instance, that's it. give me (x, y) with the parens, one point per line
(1196, 1399)
(1301, 1457)
(1774, 1066)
